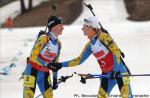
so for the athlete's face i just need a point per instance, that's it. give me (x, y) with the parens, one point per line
(88, 31)
(58, 29)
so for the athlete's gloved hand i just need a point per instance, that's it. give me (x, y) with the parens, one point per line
(83, 80)
(55, 85)
(54, 66)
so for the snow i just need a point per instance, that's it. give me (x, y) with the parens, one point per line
(132, 37)
(105, 10)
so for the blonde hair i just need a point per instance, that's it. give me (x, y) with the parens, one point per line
(98, 31)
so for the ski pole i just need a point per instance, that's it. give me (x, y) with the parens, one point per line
(108, 76)
(93, 76)
(38, 96)
(64, 78)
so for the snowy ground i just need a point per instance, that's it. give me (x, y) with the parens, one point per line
(132, 37)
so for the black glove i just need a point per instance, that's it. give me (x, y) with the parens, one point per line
(55, 85)
(54, 66)
(83, 80)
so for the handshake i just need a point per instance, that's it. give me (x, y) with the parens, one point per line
(54, 66)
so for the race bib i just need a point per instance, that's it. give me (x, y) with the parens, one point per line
(126, 80)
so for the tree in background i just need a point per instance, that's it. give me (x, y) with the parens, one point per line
(30, 5)
(23, 8)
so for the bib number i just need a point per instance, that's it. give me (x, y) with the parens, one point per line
(29, 81)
